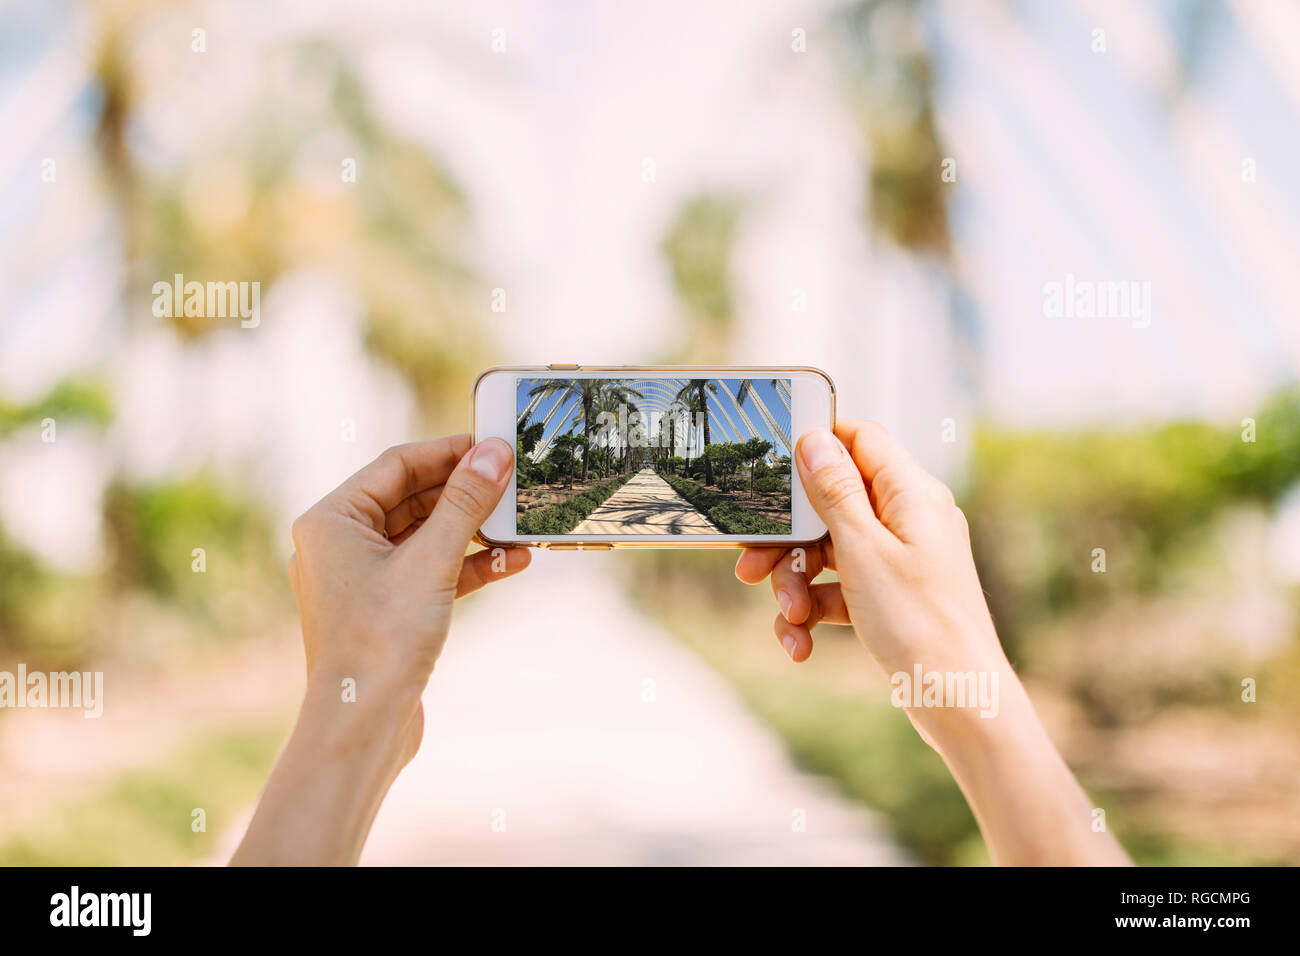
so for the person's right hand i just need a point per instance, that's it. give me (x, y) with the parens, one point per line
(901, 546)
(909, 588)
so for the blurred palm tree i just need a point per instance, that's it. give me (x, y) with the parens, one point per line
(889, 58)
(273, 197)
(894, 96)
(698, 247)
(393, 232)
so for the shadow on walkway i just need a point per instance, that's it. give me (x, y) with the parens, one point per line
(646, 505)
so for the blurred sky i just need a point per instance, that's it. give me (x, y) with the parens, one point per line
(1117, 166)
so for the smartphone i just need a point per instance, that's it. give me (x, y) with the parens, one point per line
(659, 457)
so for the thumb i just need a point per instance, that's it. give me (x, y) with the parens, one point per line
(834, 485)
(471, 493)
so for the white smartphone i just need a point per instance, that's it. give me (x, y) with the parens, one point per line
(661, 457)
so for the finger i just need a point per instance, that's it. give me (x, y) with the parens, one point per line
(885, 464)
(398, 473)
(905, 496)
(405, 533)
(493, 564)
(471, 493)
(872, 446)
(824, 605)
(835, 486)
(828, 605)
(790, 580)
(822, 554)
(755, 564)
(411, 511)
(795, 638)
(827, 550)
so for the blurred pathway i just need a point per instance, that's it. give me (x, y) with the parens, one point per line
(577, 732)
(646, 505)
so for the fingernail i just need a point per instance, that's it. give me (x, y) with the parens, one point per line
(783, 599)
(820, 448)
(491, 459)
(790, 644)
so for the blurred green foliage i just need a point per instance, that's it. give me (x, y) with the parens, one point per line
(727, 516)
(55, 619)
(568, 514)
(1039, 502)
(78, 399)
(698, 248)
(45, 617)
(143, 817)
(875, 756)
(154, 530)
(20, 574)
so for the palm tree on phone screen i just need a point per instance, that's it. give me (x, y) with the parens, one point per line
(687, 407)
(589, 392)
(697, 389)
(618, 402)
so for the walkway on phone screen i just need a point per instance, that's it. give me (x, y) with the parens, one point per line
(646, 505)
(563, 727)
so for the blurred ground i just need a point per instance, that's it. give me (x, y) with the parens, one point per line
(597, 739)
(199, 735)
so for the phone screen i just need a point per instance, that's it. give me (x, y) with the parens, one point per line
(653, 456)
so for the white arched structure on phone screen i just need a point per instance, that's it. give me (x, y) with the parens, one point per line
(738, 410)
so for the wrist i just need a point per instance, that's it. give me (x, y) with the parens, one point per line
(1013, 744)
(992, 720)
(357, 712)
(1028, 805)
(344, 753)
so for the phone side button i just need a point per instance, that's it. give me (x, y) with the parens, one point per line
(598, 546)
(556, 546)
(563, 367)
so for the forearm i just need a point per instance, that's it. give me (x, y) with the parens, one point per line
(327, 786)
(1028, 804)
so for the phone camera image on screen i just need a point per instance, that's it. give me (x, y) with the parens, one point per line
(621, 456)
